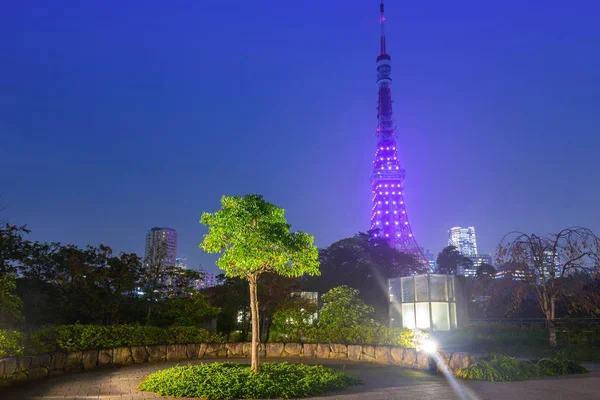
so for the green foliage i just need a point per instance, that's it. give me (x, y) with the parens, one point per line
(374, 334)
(191, 310)
(342, 308)
(292, 325)
(363, 262)
(10, 303)
(558, 364)
(343, 318)
(11, 342)
(495, 368)
(449, 259)
(80, 337)
(253, 237)
(233, 381)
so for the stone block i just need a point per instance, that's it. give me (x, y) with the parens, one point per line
(444, 358)
(368, 354)
(191, 350)
(139, 354)
(323, 350)
(383, 355)
(274, 350)
(19, 377)
(338, 356)
(73, 362)
(235, 349)
(42, 360)
(338, 348)
(423, 359)
(309, 350)
(460, 360)
(58, 362)
(122, 355)
(38, 373)
(397, 354)
(247, 348)
(202, 350)
(10, 366)
(23, 363)
(410, 358)
(158, 352)
(292, 350)
(215, 350)
(354, 352)
(105, 356)
(176, 352)
(89, 359)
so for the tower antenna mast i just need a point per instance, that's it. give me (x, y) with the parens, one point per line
(382, 23)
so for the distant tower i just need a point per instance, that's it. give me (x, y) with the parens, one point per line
(389, 215)
(161, 240)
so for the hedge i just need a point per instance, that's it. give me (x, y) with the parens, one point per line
(80, 337)
(12, 342)
(359, 334)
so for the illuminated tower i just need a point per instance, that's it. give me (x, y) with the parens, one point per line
(389, 218)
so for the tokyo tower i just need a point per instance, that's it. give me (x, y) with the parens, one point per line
(389, 219)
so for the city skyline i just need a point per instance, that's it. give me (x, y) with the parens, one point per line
(145, 117)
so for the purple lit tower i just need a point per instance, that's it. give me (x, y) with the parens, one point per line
(389, 218)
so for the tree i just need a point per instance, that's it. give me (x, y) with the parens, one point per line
(253, 237)
(342, 308)
(552, 258)
(365, 263)
(450, 259)
(12, 247)
(10, 303)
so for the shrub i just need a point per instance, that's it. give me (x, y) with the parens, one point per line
(230, 381)
(11, 342)
(373, 334)
(80, 337)
(503, 368)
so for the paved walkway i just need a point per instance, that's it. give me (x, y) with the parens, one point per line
(381, 383)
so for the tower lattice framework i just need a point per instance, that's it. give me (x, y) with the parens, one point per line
(389, 218)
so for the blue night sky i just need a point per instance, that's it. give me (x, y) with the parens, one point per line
(119, 116)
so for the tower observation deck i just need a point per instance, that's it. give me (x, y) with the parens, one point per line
(389, 219)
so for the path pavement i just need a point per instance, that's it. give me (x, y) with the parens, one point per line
(381, 383)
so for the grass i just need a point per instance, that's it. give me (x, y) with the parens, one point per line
(500, 368)
(217, 381)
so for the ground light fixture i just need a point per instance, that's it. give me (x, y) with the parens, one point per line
(429, 346)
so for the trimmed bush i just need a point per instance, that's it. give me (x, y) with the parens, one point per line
(231, 381)
(80, 337)
(12, 342)
(495, 368)
(373, 334)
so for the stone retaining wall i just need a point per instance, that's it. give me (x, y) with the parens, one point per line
(25, 368)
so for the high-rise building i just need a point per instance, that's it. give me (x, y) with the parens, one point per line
(161, 245)
(389, 219)
(208, 279)
(181, 263)
(463, 239)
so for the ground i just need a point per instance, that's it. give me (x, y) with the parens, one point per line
(381, 383)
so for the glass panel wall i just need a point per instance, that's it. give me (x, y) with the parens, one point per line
(423, 302)
(440, 316)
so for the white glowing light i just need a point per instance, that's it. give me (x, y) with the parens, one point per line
(429, 346)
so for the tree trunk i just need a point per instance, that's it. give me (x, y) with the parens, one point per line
(551, 327)
(255, 321)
